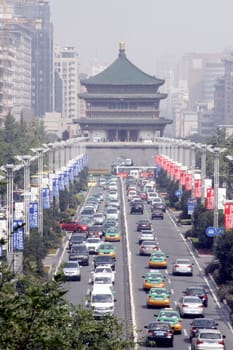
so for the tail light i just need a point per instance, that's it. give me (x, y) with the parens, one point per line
(177, 265)
(150, 333)
(204, 296)
(199, 341)
(184, 305)
(201, 306)
(190, 266)
(221, 342)
(170, 333)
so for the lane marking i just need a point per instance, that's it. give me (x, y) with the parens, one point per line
(172, 291)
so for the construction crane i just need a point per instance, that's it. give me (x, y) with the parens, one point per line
(8, 21)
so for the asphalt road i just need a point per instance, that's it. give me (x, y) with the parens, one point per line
(128, 286)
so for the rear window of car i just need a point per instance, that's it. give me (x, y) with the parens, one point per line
(210, 336)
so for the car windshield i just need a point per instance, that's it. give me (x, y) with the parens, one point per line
(195, 291)
(92, 240)
(159, 326)
(207, 335)
(102, 298)
(170, 314)
(103, 269)
(71, 265)
(106, 246)
(79, 249)
(111, 211)
(102, 280)
(203, 323)
(183, 262)
(191, 300)
(104, 259)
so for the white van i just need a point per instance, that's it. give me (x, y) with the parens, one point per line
(102, 300)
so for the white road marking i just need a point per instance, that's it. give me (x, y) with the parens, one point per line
(169, 281)
(172, 291)
(185, 332)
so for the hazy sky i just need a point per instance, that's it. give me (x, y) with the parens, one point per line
(150, 28)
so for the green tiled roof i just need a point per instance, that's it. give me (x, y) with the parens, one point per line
(122, 72)
(115, 121)
(109, 96)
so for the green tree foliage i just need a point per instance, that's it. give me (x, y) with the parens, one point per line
(223, 251)
(34, 315)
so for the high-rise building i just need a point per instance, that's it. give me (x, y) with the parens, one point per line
(228, 90)
(66, 64)
(42, 54)
(15, 63)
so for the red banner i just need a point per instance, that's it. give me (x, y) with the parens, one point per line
(210, 198)
(176, 172)
(197, 188)
(172, 169)
(228, 215)
(182, 177)
(188, 182)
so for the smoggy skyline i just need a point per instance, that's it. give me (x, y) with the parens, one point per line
(150, 28)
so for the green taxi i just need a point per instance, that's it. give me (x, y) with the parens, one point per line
(158, 259)
(107, 249)
(153, 279)
(158, 297)
(171, 316)
(113, 234)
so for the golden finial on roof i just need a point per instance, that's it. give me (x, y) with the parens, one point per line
(122, 48)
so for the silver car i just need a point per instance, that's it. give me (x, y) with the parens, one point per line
(146, 235)
(190, 306)
(148, 247)
(182, 267)
(71, 271)
(208, 339)
(92, 244)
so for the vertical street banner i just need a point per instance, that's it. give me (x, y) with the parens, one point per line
(207, 184)
(210, 198)
(192, 203)
(222, 195)
(61, 183)
(197, 188)
(46, 198)
(55, 187)
(188, 182)
(18, 235)
(71, 174)
(228, 215)
(176, 172)
(172, 165)
(66, 179)
(182, 177)
(33, 214)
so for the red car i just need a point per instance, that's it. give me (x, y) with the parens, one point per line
(74, 226)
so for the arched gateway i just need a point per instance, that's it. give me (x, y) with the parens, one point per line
(122, 104)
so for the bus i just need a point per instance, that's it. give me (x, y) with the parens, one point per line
(146, 172)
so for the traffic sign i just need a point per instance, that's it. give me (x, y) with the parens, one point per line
(178, 193)
(210, 231)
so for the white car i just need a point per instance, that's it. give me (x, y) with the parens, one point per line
(208, 339)
(190, 306)
(102, 278)
(112, 194)
(98, 218)
(182, 267)
(92, 244)
(112, 213)
(146, 235)
(106, 270)
(71, 271)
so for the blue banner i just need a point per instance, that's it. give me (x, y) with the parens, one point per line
(33, 215)
(18, 235)
(76, 169)
(55, 187)
(66, 179)
(61, 184)
(46, 198)
(71, 174)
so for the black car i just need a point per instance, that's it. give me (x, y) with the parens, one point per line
(143, 225)
(201, 292)
(137, 208)
(79, 253)
(160, 206)
(76, 239)
(157, 214)
(101, 260)
(159, 333)
(200, 323)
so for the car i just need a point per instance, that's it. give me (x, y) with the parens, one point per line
(88, 211)
(98, 218)
(190, 306)
(148, 247)
(159, 333)
(137, 208)
(153, 279)
(104, 269)
(151, 196)
(79, 253)
(208, 339)
(102, 300)
(102, 278)
(71, 271)
(76, 239)
(157, 214)
(95, 231)
(200, 323)
(100, 260)
(112, 213)
(112, 234)
(201, 292)
(107, 249)
(114, 203)
(92, 244)
(182, 267)
(158, 260)
(113, 194)
(143, 225)
(172, 317)
(143, 195)
(146, 235)
(158, 205)
(74, 226)
(158, 297)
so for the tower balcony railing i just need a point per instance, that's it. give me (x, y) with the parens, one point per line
(121, 114)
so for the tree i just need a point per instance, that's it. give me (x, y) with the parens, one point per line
(223, 251)
(35, 315)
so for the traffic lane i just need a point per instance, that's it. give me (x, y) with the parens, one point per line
(169, 242)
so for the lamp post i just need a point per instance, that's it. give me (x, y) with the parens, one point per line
(203, 173)
(9, 168)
